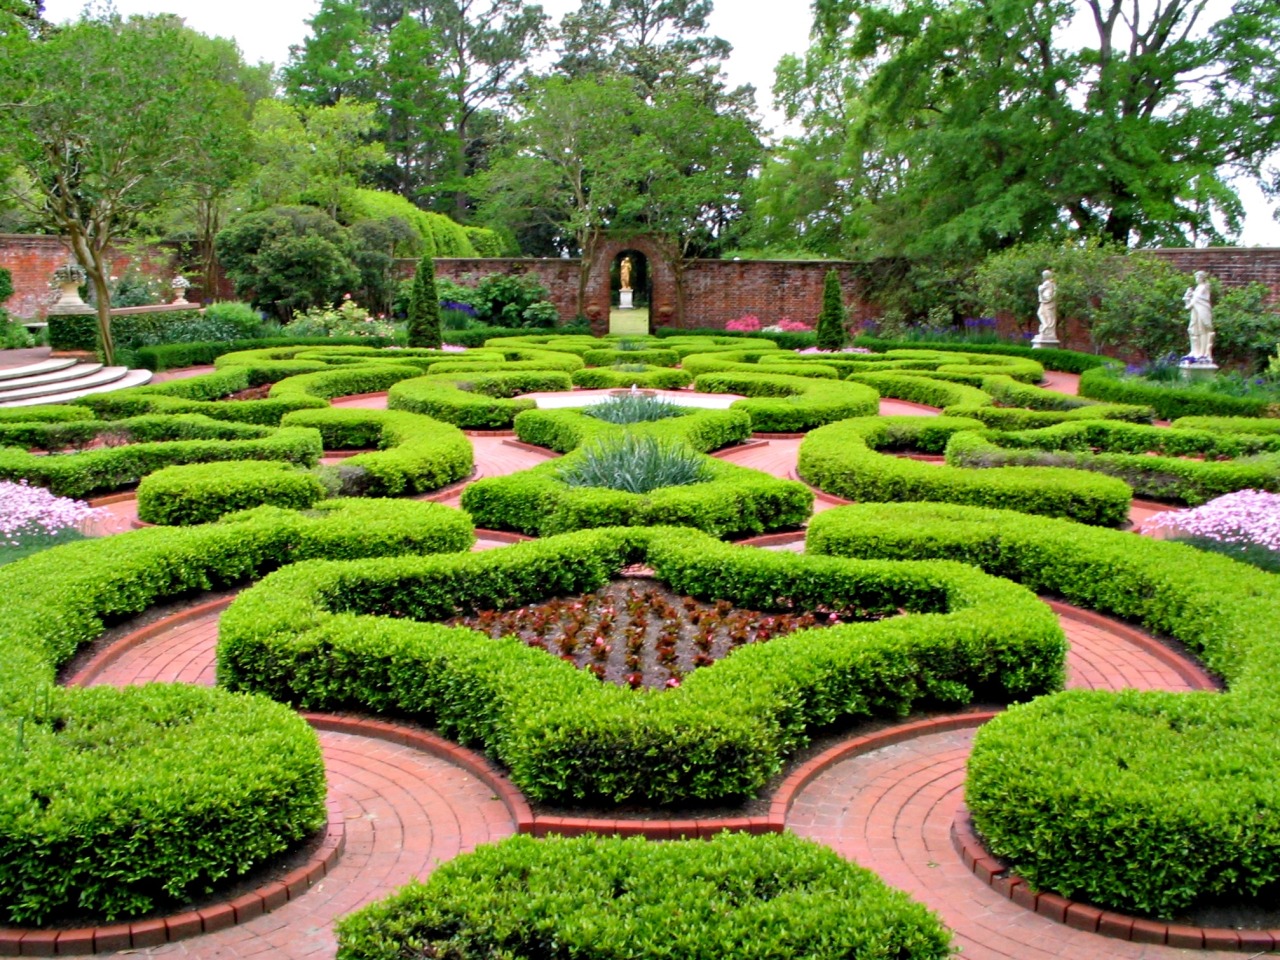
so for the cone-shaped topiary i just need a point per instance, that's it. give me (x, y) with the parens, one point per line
(831, 333)
(424, 307)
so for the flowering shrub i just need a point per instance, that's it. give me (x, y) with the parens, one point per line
(1246, 518)
(748, 323)
(788, 325)
(30, 516)
(841, 350)
(347, 320)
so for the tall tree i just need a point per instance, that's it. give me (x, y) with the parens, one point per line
(111, 119)
(480, 48)
(994, 128)
(424, 306)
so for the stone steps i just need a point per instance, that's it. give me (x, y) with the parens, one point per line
(60, 380)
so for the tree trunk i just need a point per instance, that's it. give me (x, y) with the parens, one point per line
(93, 259)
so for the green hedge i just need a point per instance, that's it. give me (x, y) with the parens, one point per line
(100, 471)
(115, 802)
(477, 336)
(784, 404)
(842, 459)
(1172, 402)
(1014, 418)
(52, 413)
(735, 897)
(344, 381)
(660, 378)
(323, 636)
(476, 402)
(1137, 801)
(415, 454)
(175, 356)
(204, 492)
(734, 502)
(1229, 424)
(565, 430)
(57, 435)
(1152, 460)
(922, 389)
(1069, 361)
(73, 331)
(654, 358)
(785, 340)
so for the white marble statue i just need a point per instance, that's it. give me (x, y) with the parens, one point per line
(1047, 293)
(1200, 329)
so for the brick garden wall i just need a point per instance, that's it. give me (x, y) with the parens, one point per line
(716, 290)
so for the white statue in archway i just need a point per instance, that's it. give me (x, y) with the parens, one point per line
(1200, 330)
(1047, 293)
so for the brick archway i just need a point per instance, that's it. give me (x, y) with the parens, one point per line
(662, 302)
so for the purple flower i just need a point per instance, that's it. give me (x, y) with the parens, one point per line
(1244, 517)
(34, 511)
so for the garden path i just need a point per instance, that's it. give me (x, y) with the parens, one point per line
(890, 809)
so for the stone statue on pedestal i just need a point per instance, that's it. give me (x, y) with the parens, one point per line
(1047, 295)
(1197, 299)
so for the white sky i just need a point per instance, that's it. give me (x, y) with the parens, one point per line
(761, 32)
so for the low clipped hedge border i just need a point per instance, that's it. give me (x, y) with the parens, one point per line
(1068, 361)
(734, 502)
(414, 454)
(659, 378)
(115, 802)
(785, 404)
(734, 897)
(1124, 450)
(331, 636)
(111, 468)
(1143, 802)
(203, 492)
(480, 401)
(175, 356)
(844, 459)
(1170, 403)
(59, 434)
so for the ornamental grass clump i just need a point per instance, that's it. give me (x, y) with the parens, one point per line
(636, 465)
(634, 408)
(32, 518)
(1244, 525)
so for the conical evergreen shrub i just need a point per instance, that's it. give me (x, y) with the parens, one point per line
(424, 306)
(831, 332)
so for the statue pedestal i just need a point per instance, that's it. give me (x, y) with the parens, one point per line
(1198, 369)
(1042, 343)
(624, 300)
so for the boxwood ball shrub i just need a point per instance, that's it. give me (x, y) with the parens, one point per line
(734, 897)
(202, 492)
(366, 635)
(118, 801)
(1146, 802)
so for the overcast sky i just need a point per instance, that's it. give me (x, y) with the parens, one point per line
(761, 32)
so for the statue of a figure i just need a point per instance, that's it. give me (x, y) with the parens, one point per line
(1047, 293)
(1200, 330)
(625, 271)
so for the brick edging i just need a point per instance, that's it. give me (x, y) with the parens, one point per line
(1108, 923)
(104, 658)
(801, 777)
(138, 934)
(1196, 677)
(771, 539)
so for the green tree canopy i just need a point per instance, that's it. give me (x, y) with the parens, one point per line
(111, 119)
(966, 125)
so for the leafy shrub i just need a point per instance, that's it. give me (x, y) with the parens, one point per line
(162, 791)
(831, 331)
(843, 459)
(349, 319)
(563, 734)
(502, 299)
(635, 465)
(242, 317)
(1171, 401)
(735, 897)
(203, 492)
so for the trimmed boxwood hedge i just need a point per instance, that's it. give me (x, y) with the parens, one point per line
(1015, 418)
(1149, 459)
(842, 459)
(59, 434)
(333, 636)
(1170, 403)
(478, 401)
(203, 492)
(175, 356)
(565, 430)
(1070, 361)
(734, 897)
(786, 404)
(1145, 802)
(111, 468)
(114, 802)
(605, 357)
(659, 378)
(922, 389)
